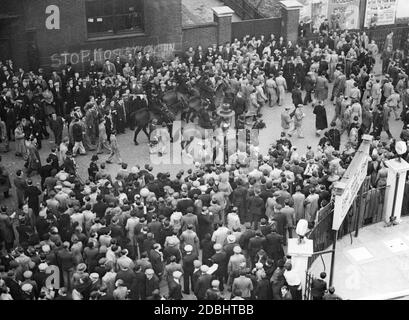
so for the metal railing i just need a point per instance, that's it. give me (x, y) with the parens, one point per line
(322, 234)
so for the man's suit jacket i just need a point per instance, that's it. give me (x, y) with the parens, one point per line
(220, 259)
(203, 283)
(243, 284)
(183, 204)
(138, 290)
(170, 268)
(175, 290)
(255, 206)
(281, 220)
(151, 285)
(318, 287)
(273, 246)
(187, 263)
(195, 278)
(54, 161)
(171, 251)
(21, 186)
(32, 193)
(65, 259)
(255, 244)
(155, 259)
(190, 218)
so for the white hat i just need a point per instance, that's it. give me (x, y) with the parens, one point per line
(237, 249)
(149, 271)
(215, 283)
(231, 238)
(94, 276)
(204, 268)
(68, 184)
(217, 246)
(188, 248)
(27, 287)
(42, 266)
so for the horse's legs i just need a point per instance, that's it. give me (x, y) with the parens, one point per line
(186, 116)
(193, 115)
(145, 130)
(137, 130)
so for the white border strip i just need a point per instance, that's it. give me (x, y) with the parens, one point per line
(388, 296)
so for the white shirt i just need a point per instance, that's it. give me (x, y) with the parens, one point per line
(292, 278)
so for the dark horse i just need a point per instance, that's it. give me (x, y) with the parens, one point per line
(155, 109)
(141, 118)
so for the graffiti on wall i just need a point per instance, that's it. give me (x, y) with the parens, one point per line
(162, 51)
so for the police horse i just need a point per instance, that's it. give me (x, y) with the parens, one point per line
(187, 103)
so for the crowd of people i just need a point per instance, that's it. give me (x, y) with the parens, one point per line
(215, 231)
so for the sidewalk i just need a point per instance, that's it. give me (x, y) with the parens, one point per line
(374, 267)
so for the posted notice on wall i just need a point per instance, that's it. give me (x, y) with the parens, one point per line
(344, 14)
(402, 9)
(314, 11)
(385, 9)
(305, 11)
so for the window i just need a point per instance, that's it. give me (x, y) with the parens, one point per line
(109, 17)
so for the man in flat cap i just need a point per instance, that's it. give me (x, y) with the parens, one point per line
(151, 283)
(203, 283)
(175, 287)
(220, 258)
(188, 268)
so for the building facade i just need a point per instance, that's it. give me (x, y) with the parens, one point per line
(52, 33)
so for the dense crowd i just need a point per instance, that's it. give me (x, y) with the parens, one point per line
(217, 230)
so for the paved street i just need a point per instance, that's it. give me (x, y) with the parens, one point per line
(133, 155)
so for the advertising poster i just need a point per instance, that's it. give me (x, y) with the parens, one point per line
(384, 9)
(319, 12)
(305, 11)
(343, 14)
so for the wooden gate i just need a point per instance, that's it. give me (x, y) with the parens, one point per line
(405, 203)
(322, 233)
(367, 208)
(256, 28)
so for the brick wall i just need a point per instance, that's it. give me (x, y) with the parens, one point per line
(204, 35)
(290, 20)
(256, 28)
(163, 25)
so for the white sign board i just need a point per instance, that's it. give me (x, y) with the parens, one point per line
(350, 186)
(402, 10)
(385, 9)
